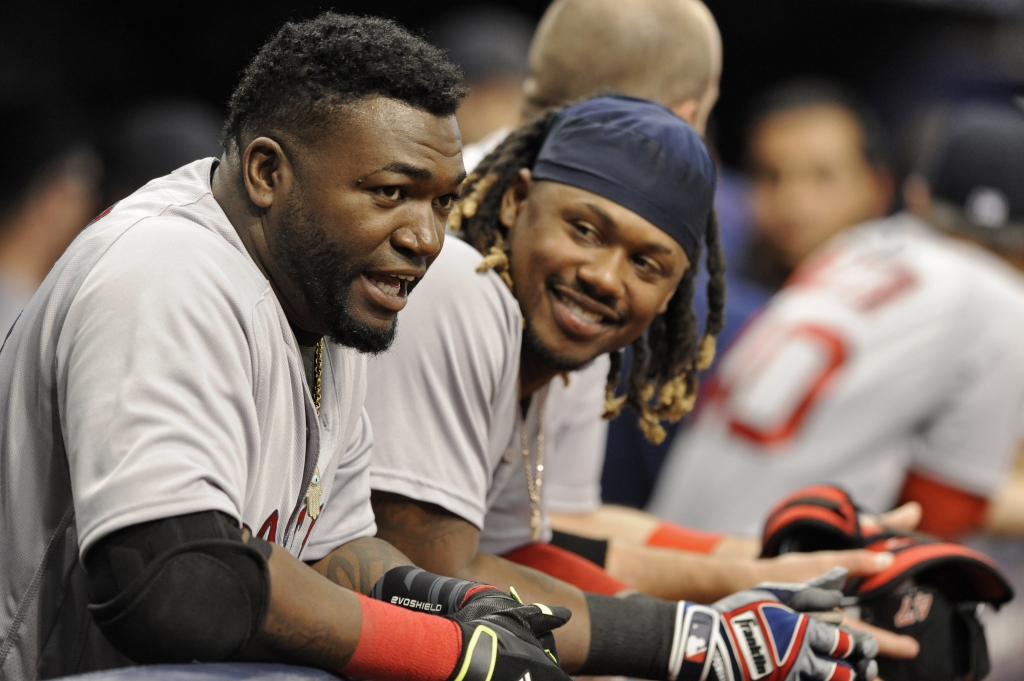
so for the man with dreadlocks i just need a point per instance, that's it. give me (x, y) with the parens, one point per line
(668, 51)
(581, 233)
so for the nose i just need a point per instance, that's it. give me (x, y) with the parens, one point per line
(603, 273)
(421, 235)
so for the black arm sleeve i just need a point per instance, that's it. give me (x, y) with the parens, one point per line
(629, 636)
(179, 589)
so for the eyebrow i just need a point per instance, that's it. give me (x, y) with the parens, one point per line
(415, 172)
(609, 222)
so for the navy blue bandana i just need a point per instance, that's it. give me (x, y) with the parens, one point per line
(639, 155)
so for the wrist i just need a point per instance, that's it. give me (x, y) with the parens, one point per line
(396, 644)
(412, 588)
(671, 536)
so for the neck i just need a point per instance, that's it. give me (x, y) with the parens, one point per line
(534, 373)
(229, 192)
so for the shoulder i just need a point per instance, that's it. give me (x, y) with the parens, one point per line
(454, 290)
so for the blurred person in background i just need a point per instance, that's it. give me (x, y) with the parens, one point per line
(155, 139)
(490, 43)
(48, 193)
(890, 364)
(819, 164)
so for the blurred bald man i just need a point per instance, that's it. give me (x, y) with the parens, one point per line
(667, 51)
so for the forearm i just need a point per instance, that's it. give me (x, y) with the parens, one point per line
(309, 621)
(678, 575)
(1005, 514)
(631, 526)
(359, 564)
(1006, 511)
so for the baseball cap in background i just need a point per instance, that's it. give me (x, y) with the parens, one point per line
(974, 167)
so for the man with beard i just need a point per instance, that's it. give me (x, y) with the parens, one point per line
(184, 444)
(581, 234)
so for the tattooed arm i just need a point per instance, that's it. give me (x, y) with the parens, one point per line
(359, 564)
(441, 542)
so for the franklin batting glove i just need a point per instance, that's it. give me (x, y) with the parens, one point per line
(754, 636)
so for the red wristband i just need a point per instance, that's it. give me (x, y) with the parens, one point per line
(568, 567)
(672, 536)
(396, 644)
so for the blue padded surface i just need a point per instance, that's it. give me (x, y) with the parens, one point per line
(226, 671)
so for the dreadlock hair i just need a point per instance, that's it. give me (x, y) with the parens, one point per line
(662, 382)
(299, 78)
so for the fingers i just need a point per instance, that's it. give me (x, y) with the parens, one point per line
(889, 644)
(905, 518)
(800, 567)
(814, 599)
(833, 579)
(840, 642)
(542, 618)
(828, 670)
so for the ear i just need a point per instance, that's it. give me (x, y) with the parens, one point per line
(266, 172)
(917, 196)
(668, 296)
(885, 190)
(514, 200)
(687, 110)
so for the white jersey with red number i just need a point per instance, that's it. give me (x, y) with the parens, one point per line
(894, 349)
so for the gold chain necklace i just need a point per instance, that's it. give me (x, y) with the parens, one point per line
(315, 489)
(535, 473)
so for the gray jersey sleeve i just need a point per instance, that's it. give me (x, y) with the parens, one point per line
(153, 340)
(442, 400)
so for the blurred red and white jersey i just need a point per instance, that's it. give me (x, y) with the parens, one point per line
(894, 349)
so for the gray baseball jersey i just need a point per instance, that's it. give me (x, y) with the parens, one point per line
(894, 349)
(444, 400)
(574, 442)
(154, 374)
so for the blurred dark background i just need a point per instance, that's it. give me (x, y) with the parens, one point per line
(101, 57)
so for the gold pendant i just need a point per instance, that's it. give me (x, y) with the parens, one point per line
(313, 496)
(535, 524)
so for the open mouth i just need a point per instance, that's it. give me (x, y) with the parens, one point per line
(391, 284)
(391, 291)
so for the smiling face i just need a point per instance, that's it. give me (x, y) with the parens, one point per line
(363, 217)
(590, 276)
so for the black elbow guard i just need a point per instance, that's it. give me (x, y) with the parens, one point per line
(179, 589)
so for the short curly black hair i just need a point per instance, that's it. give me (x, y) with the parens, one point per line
(307, 69)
